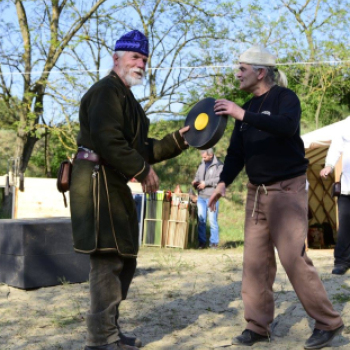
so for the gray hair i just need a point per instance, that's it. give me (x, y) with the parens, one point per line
(208, 151)
(270, 78)
(120, 53)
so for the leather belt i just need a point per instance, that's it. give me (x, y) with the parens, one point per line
(90, 156)
(87, 154)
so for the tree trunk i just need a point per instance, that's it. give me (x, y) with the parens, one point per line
(48, 172)
(319, 107)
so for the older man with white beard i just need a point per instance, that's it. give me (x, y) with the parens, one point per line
(113, 148)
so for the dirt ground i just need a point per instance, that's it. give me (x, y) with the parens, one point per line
(180, 299)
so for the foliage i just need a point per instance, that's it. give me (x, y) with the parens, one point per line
(60, 146)
(7, 146)
(7, 119)
(55, 50)
(33, 46)
(316, 37)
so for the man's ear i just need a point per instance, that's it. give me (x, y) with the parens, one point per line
(115, 59)
(262, 73)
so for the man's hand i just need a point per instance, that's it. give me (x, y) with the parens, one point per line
(151, 182)
(201, 185)
(325, 171)
(223, 107)
(183, 130)
(219, 192)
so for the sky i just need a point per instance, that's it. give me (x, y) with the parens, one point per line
(246, 18)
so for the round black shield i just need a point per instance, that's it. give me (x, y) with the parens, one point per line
(206, 128)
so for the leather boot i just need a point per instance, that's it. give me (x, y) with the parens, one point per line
(114, 346)
(131, 341)
(248, 338)
(339, 269)
(320, 338)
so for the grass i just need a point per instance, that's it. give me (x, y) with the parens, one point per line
(229, 263)
(341, 298)
(171, 262)
(64, 317)
(231, 222)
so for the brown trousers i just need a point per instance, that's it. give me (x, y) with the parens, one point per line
(276, 216)
(110, 278)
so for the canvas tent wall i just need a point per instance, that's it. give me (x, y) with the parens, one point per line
(323, 207)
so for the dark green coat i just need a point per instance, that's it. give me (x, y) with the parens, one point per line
(114, 125)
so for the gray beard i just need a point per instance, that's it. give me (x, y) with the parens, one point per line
(130, 80)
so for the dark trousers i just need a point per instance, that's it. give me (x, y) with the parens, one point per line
(110, 278)
(276, 216)
(342, 247)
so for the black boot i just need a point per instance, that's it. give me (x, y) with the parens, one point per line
(248, 338)
(114, 346)
(340, 269)
(132, 341)
(321, 338)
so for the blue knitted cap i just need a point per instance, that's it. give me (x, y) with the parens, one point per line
(133, 41)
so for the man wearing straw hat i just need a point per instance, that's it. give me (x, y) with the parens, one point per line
(114, 148)
(266, 140)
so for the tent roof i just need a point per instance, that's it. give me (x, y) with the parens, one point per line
(322, 136)
(316, 154)
(317, 142)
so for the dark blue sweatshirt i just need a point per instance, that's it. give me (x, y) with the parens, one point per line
(267, 142)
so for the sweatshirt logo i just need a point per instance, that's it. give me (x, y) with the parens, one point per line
(266, 112)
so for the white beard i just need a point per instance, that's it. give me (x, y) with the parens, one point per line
(130, 79)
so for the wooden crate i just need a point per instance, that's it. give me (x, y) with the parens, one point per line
(166, 216)
(153, 222)
(177, 232)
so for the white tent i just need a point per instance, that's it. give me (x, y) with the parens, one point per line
(321, 135)
(321, 204)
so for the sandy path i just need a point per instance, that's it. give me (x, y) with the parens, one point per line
(179, 300)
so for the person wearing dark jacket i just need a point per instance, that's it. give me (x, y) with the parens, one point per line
(266, 140)
(113, 147)
(205, 181)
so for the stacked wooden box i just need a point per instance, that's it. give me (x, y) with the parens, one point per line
(153, 222)
(167, 222)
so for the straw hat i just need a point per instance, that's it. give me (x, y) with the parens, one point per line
(257, 55)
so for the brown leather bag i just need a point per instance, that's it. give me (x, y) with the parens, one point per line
(63, 178)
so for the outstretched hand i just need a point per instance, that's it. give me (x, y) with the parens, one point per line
(219, 192)
(184, 130)
(151, 182)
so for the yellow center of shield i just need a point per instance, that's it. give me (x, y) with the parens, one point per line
(201, 121)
